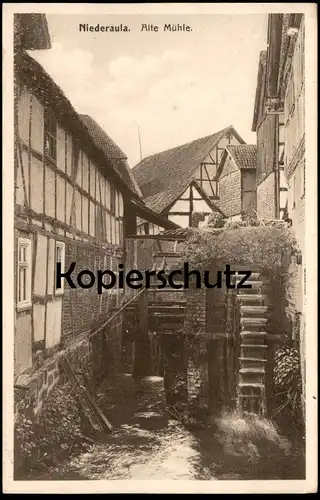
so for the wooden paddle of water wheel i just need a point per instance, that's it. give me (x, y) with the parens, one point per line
(253, 319)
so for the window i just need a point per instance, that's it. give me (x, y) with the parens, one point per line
(60, 257)
(24, 274)
(294, 192)
(100, 223)
(282, 183)
(50, 135)
(289, 101)
(108, 228)
(112, 200)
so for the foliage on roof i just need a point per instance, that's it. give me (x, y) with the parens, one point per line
(267, 245)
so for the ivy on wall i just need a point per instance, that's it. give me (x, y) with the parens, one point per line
(267, 245)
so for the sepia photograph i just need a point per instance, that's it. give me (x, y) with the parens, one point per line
(162, 244)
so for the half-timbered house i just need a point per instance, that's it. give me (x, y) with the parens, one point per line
(75, 201)
(183, 181)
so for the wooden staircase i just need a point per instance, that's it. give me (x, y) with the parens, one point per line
(253, 312)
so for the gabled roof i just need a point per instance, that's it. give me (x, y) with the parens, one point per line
(33, 74)
(159, 205)
(162, 176)
(110, 159)
(114, 154)
(162, 201)
(244, 155)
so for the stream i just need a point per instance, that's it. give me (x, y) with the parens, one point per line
(146, 444)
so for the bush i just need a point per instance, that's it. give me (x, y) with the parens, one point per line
(268, 247)
(216, 220)
(288, 384)
(53, 434)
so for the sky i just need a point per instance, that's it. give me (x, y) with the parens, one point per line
(173, 87)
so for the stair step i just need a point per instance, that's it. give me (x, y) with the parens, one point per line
(253, 322)
(255, 286)
(252, 370)
(256, 396)
(254, 334)
(251, 297)
(254, 345)
(253, 310)
(254, 360)
(254, 341)
(252, 384)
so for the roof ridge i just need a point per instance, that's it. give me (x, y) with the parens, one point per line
(240, 145)
(185, 144)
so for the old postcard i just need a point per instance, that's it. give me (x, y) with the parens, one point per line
(160, 292)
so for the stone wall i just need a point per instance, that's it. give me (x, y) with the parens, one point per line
(196, 348)
(266, 197)
(82, 308)
(36, 386)
(230, 193)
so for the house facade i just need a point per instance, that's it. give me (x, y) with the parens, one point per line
(182, 184)
(271, 183)
(279, 120)
(75, 202)
(291, 94)
(237, 181)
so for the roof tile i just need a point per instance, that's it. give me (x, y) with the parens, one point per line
(115, 155)
(244, 155)
(162, 176)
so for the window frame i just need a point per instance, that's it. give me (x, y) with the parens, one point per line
(59, 245)
(23, 305)
(112, 200)
(49, 135)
